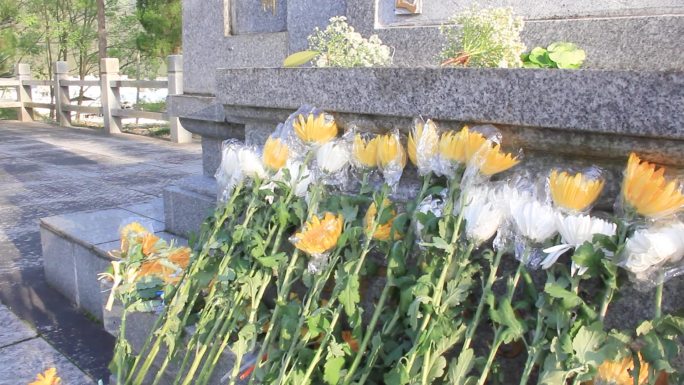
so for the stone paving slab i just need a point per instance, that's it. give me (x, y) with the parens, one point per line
(12, 329)
(21, 362)
(47, 170)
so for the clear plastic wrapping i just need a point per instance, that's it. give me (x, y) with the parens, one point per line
(482, 213)
(391, 157)
(655, 254)
(423, 146)
(575, 192)
(332, 162)
(318, 238)
(428, 211)
(237, 163)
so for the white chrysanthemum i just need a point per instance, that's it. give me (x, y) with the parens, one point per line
(482, 215)
(512, 197)
(653, 246)
(250, 164)
(333, 156)
(574, 231)
(532, 219)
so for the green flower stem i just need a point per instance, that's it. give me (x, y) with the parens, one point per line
(535, 348)
(187, 310)
(439, 288)
(498, 333)
(186, 289)
(472, 326)
(658, 308)
(379, 307)
(357, 269)
(607, 298)
(120, 355)
(498, 340)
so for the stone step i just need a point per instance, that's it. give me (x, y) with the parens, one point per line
(76, 248)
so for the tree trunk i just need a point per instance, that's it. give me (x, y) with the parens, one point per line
(101, 30)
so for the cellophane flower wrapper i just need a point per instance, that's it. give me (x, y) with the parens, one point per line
(229, 172)
(332, 163)
(363, 154)
(448, 167)
(654, 254)
(434, 205)
(482, 212)
(425, 138)
(393, 169)
(575, 191)
(532, 220)
(319, 246)
(301, 147)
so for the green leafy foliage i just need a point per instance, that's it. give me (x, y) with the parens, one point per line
(557, 55)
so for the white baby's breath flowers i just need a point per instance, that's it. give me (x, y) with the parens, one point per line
(575, 230)
(654, 246)
(333, 156)
(341, 46)
(482, 214)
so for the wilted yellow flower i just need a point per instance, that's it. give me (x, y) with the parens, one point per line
(149, 243)
(426, 137)
(315, 130)
(319, 235)
(130, 230)
(390, 151)
(181, 257)
(620, 372)
(382, 230)
(646, 189)
(350, 340)
(275, 154)
(574, 192)
(365, 153)
(493, 161)
(47, 378)
(461, 146)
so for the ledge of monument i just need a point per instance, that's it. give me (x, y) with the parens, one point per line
(634, 103)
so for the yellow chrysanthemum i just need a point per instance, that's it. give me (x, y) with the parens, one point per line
(149, 244)
(275, 154)
(390, 151)
(315, 129)
(425, 136)
(620, 372)
(382, 230)
(133, 229)
(47, 378)
(574, 192)
(319, 235)
(646, 189)
(493, 161)
(365, 152)
(461, 146)
(350, 340)
(181, 257)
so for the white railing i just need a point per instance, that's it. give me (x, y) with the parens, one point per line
(110, 107)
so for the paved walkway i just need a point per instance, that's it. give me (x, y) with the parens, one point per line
(47, 170)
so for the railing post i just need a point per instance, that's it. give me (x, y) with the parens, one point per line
(61, 72)
(109, 96)
(23, 73)
(175, 76)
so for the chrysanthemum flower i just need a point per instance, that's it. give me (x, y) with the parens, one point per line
(149, 244)
(491, 160)
(646, 189)
(132, 230)
(299, 177)
(276, 153)
(180, 257)
(315, 129)
(533, 220)
(482, 215)
(653, 246)
(575, 230)
(423, 145)
(621, 372)
(390, 152)
(574, 192)
(350, 340)
(382, 230)
(332, 156)
(319, 235)
(365, 153)
(49, 377)
(460, 146)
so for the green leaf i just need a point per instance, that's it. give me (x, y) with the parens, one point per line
(541, 57)
(569, 298)
(644, 328)
(397, 376)
(586, 256)
(459, 368)
(349, 296)
(332, 369)
(300, 58)
(571, 59)
(437, 368)
(587, 342)
(515, 327)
